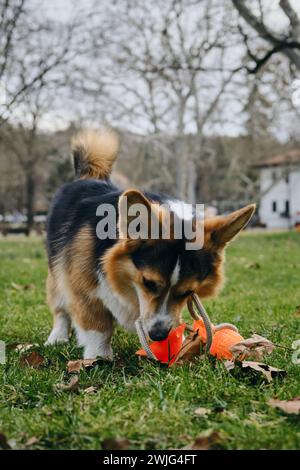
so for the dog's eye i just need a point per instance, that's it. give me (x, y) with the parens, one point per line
(183, 295)
(150, 285)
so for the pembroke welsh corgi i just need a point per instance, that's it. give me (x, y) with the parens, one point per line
(96, 281)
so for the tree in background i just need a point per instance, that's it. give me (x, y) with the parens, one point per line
(35, 52)
(172, 76)
(165, 68)
(179, 70)
(284, 40)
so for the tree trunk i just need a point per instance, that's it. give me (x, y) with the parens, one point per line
(30, 198)
(191, 181)
(181, 170)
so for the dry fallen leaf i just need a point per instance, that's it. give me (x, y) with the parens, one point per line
(116, 443)
(31, 441)
(22, 287)
(77, 366)
(3, 442)
(205, 441)
(229, 365)
(71, 386)
(254, 347)
(190, 349)
(202, 412)
(74, 366)
(21, 348)
(288, 406)
(32, 359)
(269, 372)
(91, 389)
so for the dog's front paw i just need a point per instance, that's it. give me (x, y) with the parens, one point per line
(101, 352)
(56, 337)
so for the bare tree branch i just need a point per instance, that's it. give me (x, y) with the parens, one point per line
(283, 44)
(293, 17)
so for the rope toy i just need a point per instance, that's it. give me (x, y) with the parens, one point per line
(218, 339)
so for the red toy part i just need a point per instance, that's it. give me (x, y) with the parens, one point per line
(166, 351)
(222, 341)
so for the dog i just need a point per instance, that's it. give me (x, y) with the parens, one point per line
(94, 283)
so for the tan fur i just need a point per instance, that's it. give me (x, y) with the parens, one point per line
(120, 270)
(51, 288)
(221, 229)
(96, 152)
(53, 298)
(72, 279)
(88, 312)
(79, 263)
(91, 314)
(57, 290)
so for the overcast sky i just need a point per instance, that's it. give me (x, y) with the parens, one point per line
(62, 10)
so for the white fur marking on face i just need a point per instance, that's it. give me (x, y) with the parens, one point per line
(162, 316)
(119, 308)
(183, 210)
(157, 317)
(175, 274)
(60, 332)
(95, 343)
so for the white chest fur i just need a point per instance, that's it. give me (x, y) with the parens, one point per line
(121, 310)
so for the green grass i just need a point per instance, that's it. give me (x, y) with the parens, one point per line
(152, 406)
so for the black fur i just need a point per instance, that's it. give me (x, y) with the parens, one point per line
(74, 206)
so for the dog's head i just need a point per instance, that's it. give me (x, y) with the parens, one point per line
(159, 275)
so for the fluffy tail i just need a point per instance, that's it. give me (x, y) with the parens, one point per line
(94, 153)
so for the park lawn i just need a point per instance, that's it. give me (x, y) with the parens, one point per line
(152, 406)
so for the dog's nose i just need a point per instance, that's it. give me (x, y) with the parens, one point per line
(158, 332)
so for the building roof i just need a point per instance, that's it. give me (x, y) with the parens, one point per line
(281, 159)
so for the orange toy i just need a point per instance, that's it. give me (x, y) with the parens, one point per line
(220, 337)
(166, 351)
(223, 340)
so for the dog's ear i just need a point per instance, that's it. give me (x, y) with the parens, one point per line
(135, 211)
(222, 229)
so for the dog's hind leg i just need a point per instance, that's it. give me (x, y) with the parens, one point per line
(61, 319)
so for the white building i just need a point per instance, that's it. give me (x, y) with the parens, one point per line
(280, 190)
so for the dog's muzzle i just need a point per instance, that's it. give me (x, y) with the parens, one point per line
(159, 331)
